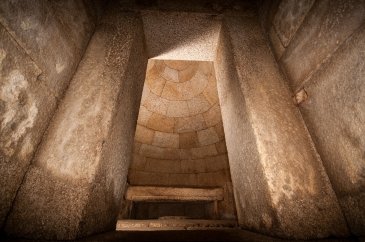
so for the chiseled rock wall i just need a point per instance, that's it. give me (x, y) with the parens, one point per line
(74, 187)
(41, 44)
(281, 187)
(322, 56)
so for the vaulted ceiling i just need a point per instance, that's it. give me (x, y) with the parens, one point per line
(179, 138)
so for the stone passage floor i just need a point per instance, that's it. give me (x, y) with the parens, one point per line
(226, 235)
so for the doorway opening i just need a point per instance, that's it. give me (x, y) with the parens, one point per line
(179, 176)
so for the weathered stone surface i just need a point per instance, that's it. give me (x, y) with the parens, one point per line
(335, 115)
(26, 105)
(86, 152)
(180, 36)
(207, 136)
(43, 30)
(286, 192)
(289, 17)
(188, 140)
(276, 44)
(266, 11)
(162, 165)
(40, 55)
(326, 27)
(136, 193)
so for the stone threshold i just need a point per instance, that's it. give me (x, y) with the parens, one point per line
(174, 224)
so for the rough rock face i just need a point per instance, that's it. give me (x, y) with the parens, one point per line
(74, 187)
(324, 58)
(39, 52)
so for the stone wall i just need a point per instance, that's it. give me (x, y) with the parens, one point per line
(280, 185)
(41, 44)
(75, 184)
(319, 46)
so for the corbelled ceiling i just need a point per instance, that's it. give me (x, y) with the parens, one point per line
(179, 138)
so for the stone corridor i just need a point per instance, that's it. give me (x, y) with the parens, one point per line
(196, 120)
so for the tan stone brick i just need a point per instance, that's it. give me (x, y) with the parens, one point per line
(172, 91)
(144, 135)
(163, 139)
(213, 115)
(221, 147)
(193, 166)
(188, 140)
(177, 64)
(156, 85)
(219, 130)
(138, 162)
(198, 104)
(189, 124)
(212, 178)
(159, 153)
(210, 92)
(188, 73)
(185, 154)
(206, 67)
(159, 165)
(153, 102)
(144, 115)
(216, 163)
(170, 74)
(204, 151)
(136, 147)
(161, 123)
(177, 109)
(198, 83)
(207, 136)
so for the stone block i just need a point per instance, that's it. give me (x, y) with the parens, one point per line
(276, 44)
(139, 162)
(89, 141)
(161, 123)
(177, 109)
(289, 192)
(335, 115)
(178, 65)
(26, 106)
(158, 152)
(207, 136)
(221, 147)
(204, 151)
(144, 115)
(289, 17)
(187, 73)
(163, 166)
(196, 39)
(217, 163)
(193, 166)
(219, 130)
(188, 140)
(325, 28)
(144, 135)
(40, 28)
(189, 124)
(168, 140)
(198, 104)
(213, 115)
